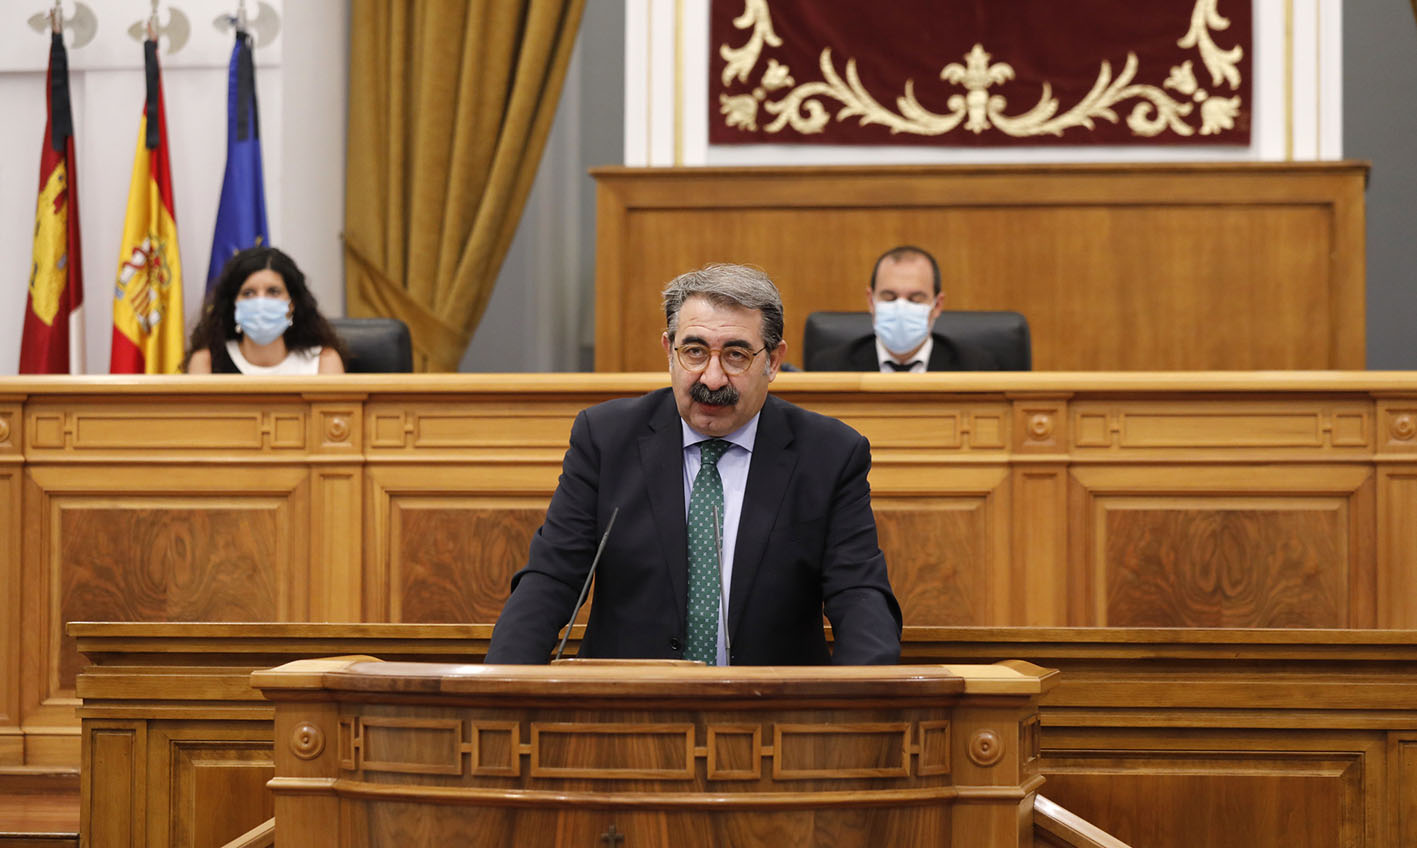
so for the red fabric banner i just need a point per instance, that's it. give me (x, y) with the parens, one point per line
(980, 72)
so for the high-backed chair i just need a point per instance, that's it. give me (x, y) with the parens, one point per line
(375, 345)
(1004, 334)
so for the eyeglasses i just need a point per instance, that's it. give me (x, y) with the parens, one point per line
(733, 360)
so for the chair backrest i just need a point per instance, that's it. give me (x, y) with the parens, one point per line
(1004, 334)
(375, 345)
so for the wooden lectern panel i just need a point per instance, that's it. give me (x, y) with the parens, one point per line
(369, 753)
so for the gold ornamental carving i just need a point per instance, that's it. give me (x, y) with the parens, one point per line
(307, 741)
(4, 429)
(1403, 427)
(985, 748)
(1154, 110)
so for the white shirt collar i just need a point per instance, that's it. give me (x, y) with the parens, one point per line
(744, 437)
(922, 356)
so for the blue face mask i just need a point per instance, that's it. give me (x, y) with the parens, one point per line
(262, 319)
(901, 325)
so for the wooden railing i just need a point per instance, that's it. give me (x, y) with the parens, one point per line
(262, 835)
(1055, 826)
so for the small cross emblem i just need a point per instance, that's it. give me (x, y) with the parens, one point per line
(612, 837)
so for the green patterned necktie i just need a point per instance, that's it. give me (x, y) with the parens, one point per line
(704, 586)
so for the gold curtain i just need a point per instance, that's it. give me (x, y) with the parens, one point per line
(450, 103)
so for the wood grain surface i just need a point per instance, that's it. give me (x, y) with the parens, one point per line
(1208, 567)
(1116, 267)
(164, 564)
(455, 564)
(594, 760)
(1148, 499)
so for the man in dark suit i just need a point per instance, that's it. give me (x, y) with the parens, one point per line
(905, 299)
(727, 497)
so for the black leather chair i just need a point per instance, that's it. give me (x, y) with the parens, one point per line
(1004, 334)
(375, 345)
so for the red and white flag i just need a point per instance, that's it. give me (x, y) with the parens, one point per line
(53, 338)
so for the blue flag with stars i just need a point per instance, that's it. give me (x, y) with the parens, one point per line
(241, 217)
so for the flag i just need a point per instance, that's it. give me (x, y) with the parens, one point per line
(241, 215)
(53, 339)
(147, 301)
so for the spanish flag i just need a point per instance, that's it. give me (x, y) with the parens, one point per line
(53, 340)
(147, 301)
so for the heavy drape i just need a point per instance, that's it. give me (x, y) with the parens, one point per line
(450, 103)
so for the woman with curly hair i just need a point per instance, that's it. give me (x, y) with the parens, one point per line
(260, 318)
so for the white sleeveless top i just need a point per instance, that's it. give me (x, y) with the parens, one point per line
(295, 362)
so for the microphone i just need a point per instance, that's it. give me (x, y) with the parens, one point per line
(585, 587)
(722, 601)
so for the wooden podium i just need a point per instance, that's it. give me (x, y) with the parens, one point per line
(643, 753)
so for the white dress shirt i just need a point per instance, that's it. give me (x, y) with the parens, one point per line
(733, 471)
(921, 358)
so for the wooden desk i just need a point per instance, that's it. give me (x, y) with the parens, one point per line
(373, 753)
(1204, 500)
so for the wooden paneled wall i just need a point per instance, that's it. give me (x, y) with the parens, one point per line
(1173, 500)
(1195, 266)
(1167, 738)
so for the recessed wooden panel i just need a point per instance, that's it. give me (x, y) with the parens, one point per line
(938, 555)
(612, 751)
(1397, 551)
(735, 752)
(1404, 794)
(841, 751)
(411, 746)
(115, 776)
(164, 563)
(11, 750)
(453, 559)
(218, 791)
(467, 430)
(934, 748)
(923, 429)
(1259, 800)
(128, 427)
(1181, 563)
(496, 748)
(1236, 425)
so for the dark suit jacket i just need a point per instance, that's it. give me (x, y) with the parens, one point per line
(806, 543)
(947, 355)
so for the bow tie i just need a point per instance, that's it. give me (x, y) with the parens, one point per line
(902, 366)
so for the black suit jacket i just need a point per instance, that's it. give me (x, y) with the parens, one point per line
(946, 355)
(806, 543)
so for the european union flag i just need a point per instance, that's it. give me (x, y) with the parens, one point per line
(241, 217)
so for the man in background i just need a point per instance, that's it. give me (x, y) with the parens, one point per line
(905, 299)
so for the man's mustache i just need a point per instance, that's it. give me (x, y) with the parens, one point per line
(725, 395)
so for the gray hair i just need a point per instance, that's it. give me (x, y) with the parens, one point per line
(727, 285)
